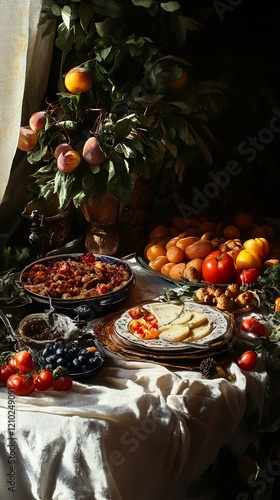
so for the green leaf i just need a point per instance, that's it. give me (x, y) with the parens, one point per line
(65, 38)
(86, 13)
(170, 6)
(143, 3)
(121, 182)
(110, 8)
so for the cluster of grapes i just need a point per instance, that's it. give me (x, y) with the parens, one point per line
(73, 357)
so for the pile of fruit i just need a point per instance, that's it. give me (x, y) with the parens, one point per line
(202, 250)
(18, 372)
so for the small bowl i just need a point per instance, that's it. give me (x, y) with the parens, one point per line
(37, 329)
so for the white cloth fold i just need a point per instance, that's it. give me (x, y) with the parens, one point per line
(135, 430)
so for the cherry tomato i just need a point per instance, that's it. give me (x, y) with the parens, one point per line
(137, 312)
(247, 276)
(252, 325)
(24, 362)
(247, 360)
(88, 258)
(21, 385)
(5, 372)
(218, 267)
(43, 380)
(63, 383)
(277, 304)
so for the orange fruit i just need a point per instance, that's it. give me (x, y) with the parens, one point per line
(231, 232)
(258, 245)
(258, 231)
(158, 262)
(247, 259)
(243, 220)
(155, 251)
(78, 79)
(165, 270)
(159, 231)
(177, 271)
(175, 254)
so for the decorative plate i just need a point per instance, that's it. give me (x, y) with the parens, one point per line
(217, 319)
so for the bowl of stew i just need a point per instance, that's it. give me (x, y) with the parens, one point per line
(78, 283)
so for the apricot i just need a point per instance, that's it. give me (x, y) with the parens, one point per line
(232, 232)
(243, 220)
(68, 162)
(199, 249)
(165, 270)
(159, 232)
(183, 243)
(175, 254)
(258, 231)
(177, 271)
(207, 227)
(92, 152)
(27, 138)
(37, 121)
(63, 147)
(78, 79)
(158, 262)
(155, 251)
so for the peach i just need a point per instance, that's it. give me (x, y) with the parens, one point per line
(62, 148)
(68, 162)
(92, 152)
(27, 138)
(37, 121)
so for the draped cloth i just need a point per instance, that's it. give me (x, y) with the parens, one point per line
(136, 430)
(25, 58)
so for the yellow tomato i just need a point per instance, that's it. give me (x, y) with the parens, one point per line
(258, 245)
(247, 259)
(277, 304)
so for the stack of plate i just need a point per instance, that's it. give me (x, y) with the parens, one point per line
(114, 333)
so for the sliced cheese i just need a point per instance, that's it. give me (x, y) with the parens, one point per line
(184, 318)
(165, 313)
(175, 333)
(199, 332)
(197, 319)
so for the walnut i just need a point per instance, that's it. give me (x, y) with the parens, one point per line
(192, 274)
(203, 295)
(232, 290)
(245, 300)
(225, 303)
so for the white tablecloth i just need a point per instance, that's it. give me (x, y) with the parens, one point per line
(136, 431)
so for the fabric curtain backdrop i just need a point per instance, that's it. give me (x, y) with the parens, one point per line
(25, 58)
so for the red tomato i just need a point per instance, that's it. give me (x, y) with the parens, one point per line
(24, 362)
(252, 325)
(5, 372)
(247, 276)
(247, 360)
(21, 385)
(43, 380)
(218, 267)
(137, 312)
(63, 383)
